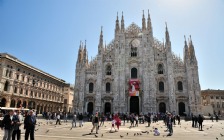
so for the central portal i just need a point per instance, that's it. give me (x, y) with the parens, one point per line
(134, 104)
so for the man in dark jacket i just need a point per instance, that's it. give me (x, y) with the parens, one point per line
(29, 125)
(7, 124)
(200, 121)
(170, 124)
(16, 130)
(80, 120)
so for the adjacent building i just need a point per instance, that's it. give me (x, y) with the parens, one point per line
(68, 98)
(22, 85)
(214, 98)
(137, 73)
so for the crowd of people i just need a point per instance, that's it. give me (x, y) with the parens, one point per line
(14, 119)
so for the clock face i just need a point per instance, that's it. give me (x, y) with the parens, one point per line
(135, 43)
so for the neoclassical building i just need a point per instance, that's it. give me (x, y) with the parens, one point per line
(214, 98)
(22, 85)
(137, 73)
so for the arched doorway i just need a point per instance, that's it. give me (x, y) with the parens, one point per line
(134, 104)
(107, 108)
(90, 108)
(31, 105)
(41, 109)
(134, 73)
(38, 109)
(24, 104)
(181, 106)
(13, 103)
(162, 107)
(3, 102)
(18, 105)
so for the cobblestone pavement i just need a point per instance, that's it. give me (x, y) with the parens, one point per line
(184, 131)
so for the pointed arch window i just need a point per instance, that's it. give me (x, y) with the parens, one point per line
(134, 73)
(133, 51)
(160, 69)
(107, 87)
(180, 86)
(90, 87)
(161, 86)
(108, 70)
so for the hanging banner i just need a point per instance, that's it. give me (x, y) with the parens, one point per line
(134, 87)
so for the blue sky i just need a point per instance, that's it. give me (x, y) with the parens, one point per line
(46, 33)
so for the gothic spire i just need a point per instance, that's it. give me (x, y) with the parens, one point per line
(117, 26)
(100, 46)
(149, 25)
(122, 23)
(185, 49)
(191, 49)
(143, 22)
(167, 35)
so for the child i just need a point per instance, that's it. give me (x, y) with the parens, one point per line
(113, 123)
(156, 132)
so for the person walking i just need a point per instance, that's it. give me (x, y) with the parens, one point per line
(80, 120)
(178, 119)
(58, 117)
(170, 125)
(29, 125)
(118, 121)
(216, 117)
(66, 117)
(74, 120)
(149, 120)
(95, 122)
(7, 125)
(112, 125)
(136, 120)
(200, 121)
(102, 119)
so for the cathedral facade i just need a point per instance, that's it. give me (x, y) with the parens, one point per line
(137, 73)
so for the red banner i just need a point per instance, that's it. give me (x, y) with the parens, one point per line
(134, 87)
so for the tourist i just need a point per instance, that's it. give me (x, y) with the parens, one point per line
(118, 121)
(178, 119)
(102, 119)
(29, 125)
(156, 132)
(80, 120)
(124, 118)
(132, 120)
(74, 120)
(65, 117)
(149, 119)
(193, 120)
(212, 118)
(95, 122)
(136, 120)
(112, 125)
(58, 117)
(216, 118)
(200, 121)
(17, 123)
(170, 125)
(7, 124)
